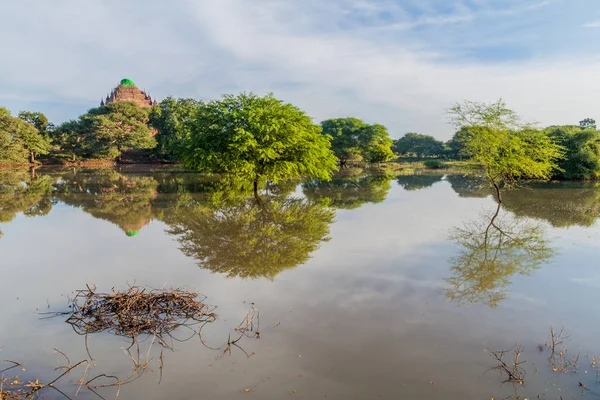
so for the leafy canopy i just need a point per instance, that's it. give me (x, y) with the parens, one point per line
(582, 151)
(506, 151)
(20, 139)
(172, 118)
(354, 139)
(257, 138)
(419, 145)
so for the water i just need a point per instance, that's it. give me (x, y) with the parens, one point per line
(363, 286)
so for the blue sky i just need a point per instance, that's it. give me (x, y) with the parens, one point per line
(396, 62)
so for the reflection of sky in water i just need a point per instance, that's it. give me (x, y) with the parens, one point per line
(365, 317)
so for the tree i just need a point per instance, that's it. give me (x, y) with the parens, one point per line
(588, 123)
(582, 152)
(12, 149)
(118, 126)
(354, 139)
(419, 145)
(376, 144)
(346, 134)
(506, 151)
(36, 140)
(173, 121)
(74, 139)
(257, 138)
(20, 139)
(38, 120)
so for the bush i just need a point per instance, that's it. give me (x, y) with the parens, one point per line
(434, 164)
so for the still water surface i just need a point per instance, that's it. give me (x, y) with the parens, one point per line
(371, 286)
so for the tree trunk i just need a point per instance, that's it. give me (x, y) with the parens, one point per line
(31, 157)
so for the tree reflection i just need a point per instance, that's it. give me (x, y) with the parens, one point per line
(22, 191)
(248, 239)
(124, 200)
(350, 189)
(493, 249)
(417, 182)
(562, 204)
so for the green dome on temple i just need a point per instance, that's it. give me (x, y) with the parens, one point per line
(127, 82)
(131, 233)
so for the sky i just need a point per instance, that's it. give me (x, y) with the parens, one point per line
(400, 63)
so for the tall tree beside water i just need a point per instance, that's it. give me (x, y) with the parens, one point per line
(20, 141)
(354, 139)
(257, 139)
(173, 118)
(581, 159)
(506, 150)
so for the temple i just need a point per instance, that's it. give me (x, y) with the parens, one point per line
(127, 91)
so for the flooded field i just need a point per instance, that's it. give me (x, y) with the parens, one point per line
(372, 286)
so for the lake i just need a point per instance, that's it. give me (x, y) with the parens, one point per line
(372, 286)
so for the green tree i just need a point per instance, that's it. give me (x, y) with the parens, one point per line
(38, 120)
(419, 145)
(506, 151)
(582, 152)
(587, 123)
(74, 139)
(172, 118)
(346, 134)
(257, 138)
(12, 149)
(18, 137)
(354, 139)
(376, 144)
(117, 127)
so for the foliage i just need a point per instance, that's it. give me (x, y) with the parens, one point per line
(74, 140)
(507, 152)
(251, 240)
(353, 140)
(257, 138)
(346, 134)
(419, 145)
(582, 152)
(491, 251)
(116, 127)
(434, 164)
(172, 118)
(38, 120)
(376, 145)
(587, 123)
(19, 139)
(349, 189)
(12, 149)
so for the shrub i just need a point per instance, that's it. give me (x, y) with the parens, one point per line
(434, 164)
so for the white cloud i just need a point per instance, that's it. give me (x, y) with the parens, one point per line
(330, 58)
